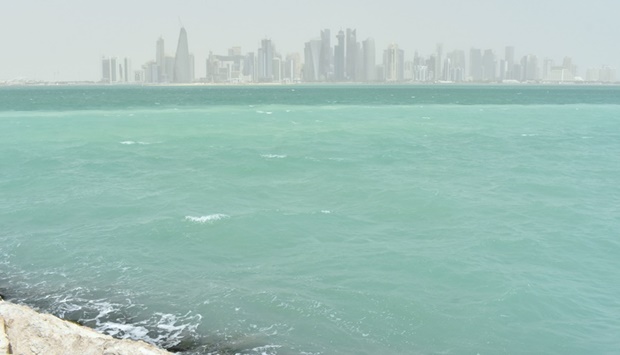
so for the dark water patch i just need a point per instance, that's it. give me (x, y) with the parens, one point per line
(135, 97)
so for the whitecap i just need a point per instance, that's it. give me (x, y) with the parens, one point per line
(207, 219)
(273, 156)
(326, 211)
(134, 142)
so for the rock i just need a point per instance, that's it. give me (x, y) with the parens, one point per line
(4, 340)
(26, 332)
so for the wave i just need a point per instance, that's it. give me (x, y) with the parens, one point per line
(273, 156)
(134, 142)
(207, 219)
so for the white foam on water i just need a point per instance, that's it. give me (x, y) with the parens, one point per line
(169, 329)
(326, 211)
(207, 219)
(125, 331)
(273, 156)
(134, 142)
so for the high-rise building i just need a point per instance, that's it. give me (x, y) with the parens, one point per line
(393, 62)
(127, 70)
(312, 60)
(351, 56)
(430, 65)
(105, 70)
(151, 72)
(529, 68)
(567, 63)
(291, 67)
(489, 66)
(113, 70)
(325, 62)
(160, 60)
(265, 61)
(546, 68)
(182, 61)
(277, 69)
(249, 67)
(456, 72)
(607, 74)
(370, 66)
(339, 59)
(509, 63)
(438, 64)
(475, 64)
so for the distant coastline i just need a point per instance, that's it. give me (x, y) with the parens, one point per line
(10, 83)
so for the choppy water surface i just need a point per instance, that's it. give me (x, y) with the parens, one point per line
(318, 220)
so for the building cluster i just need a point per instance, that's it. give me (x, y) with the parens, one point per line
(348, 60)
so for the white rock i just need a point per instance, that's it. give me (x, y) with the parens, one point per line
(4, 340)
(26, 332)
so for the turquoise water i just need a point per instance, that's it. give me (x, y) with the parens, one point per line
(318, 220)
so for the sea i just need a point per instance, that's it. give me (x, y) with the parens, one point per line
(318, 219)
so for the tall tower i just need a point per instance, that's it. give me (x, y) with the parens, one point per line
(509, 58)
(265, 61)
(160, 59)
(438, 64)
(393, 62)
(105, 70)
(326, 56)
(351, 54)
(370, 68)
(475, 64)
(489, 66)
(182, 69)
(339, 57)
(312, 54)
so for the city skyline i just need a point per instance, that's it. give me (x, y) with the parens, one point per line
(349, 60)
(65, 40)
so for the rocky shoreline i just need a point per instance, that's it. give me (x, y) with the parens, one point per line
(24, 331)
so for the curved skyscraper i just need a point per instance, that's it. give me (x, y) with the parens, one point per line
(182, 62)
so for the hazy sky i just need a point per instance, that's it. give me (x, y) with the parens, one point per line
(65, 39)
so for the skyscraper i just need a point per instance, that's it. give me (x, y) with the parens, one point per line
(325, 64)
(529, 68)
(370, 67)
(265, 61)
(160, 59)
(351, 58)
(457, 66)
(489, 66)
(475, 64)
(113, 69)
(438, 63)
(393, 62)
(127, 70)
(339, 69)
(312, 56)
(182, 62)
(509, 58)
(105, 70)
